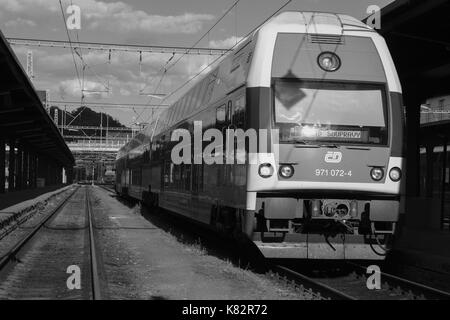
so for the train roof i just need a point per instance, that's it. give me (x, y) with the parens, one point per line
(315, 22)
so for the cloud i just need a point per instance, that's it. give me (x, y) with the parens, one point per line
(94, 90)
(20, 22)
(123, 65)
(21, 51)
(124, 92)
(112, 16)
(226, 43)
(129, 21)
(122, 74)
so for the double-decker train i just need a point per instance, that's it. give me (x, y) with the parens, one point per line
(324, 181)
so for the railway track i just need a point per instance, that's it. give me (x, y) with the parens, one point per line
(352, 285)
(36, 265)
(95, 281)
(316, 288)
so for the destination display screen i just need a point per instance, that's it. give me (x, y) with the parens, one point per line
(311, 133)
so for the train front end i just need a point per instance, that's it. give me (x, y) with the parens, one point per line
(329, 185)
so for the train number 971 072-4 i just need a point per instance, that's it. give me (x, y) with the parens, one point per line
(333, 172)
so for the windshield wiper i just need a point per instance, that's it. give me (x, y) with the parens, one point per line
(304, 144)
(358, 148)
(331, 145)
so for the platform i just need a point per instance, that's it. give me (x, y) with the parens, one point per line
(422, 239)
(10, 199)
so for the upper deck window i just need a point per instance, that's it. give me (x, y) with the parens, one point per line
(330, 111)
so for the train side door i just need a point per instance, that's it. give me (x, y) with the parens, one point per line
(229, 147)
(240, 155)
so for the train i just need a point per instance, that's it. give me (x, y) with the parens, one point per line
(109, 177)
(324, 179)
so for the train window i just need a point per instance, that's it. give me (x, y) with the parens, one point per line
(171, 175)
(183, 107)
(166, 174)
(195, 98)
(221, 114)
(176, 109)
(180, 110)
(210, 87)
(146, 155)
(194, 178)
(239, 112)
(330, 111)
(197, 178)
(189, 102)
(169, 116)
(202, 94)
(229, 111)
(199, 96)
(159, 124)
(188, 105)
(136, 177)
(187, 177)
(177, 172)
(441, 104)
(200, 176)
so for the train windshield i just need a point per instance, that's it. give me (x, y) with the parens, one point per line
(349, 113)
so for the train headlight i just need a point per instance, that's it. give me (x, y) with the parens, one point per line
(377, 174)
(265, 170)
(329, 61)
(395, 174)
(286, 171)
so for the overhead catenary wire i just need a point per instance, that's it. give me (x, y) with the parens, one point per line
(80, 81)
(156, 90)
(215, 60)
(206, 33)
(83, 63)
(166, 69)
(201, 71)
(116, 47)
(200, 39)
(107, 104)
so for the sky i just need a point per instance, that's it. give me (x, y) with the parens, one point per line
(149, 22)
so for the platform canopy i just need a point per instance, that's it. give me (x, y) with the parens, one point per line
(418, 35)
(22, 115)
